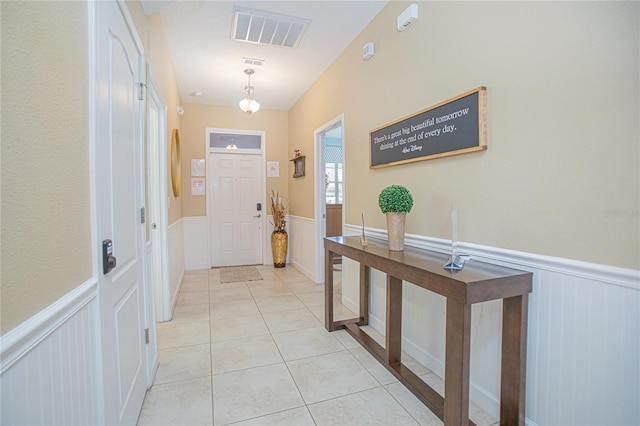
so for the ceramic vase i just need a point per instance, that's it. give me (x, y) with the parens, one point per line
(279, 246)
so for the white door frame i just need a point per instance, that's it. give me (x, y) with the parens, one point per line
(319, 189)
(158, 209)
(263, 175)
(158, 303)
(96, 252)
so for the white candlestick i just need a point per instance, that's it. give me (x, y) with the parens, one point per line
(454, 230)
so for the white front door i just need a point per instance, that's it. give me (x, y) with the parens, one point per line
(235, 187)
(119, 181)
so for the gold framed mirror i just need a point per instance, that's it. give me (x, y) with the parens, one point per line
(176, 168)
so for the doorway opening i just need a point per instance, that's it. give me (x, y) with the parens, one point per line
(235, 192)
(329, 187)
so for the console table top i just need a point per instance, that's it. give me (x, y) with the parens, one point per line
(476, 282)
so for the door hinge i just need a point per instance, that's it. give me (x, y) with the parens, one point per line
(146, 336)
(142, 219)
(141, 88)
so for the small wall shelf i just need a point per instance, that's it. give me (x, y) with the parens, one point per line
(298, 170)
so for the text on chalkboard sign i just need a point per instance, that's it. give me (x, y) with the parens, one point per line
(454, 126)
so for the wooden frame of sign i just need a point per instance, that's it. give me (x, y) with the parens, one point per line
(298, 163)
(455, 126)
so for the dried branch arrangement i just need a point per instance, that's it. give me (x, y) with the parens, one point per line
(279, 206)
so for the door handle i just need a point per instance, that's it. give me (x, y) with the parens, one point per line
(108, 259)
(259, 215)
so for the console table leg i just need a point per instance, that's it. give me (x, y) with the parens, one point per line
(393, 339)
(328, 291)
(514, 356)
(456, 381)
(364, 294)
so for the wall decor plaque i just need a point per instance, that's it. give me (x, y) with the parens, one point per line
(455, 126)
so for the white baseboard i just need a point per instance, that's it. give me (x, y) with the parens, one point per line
(302, 268)
(350, 304)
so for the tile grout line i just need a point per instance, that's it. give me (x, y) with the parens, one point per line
(283, 360)
(382, 385)
(400, 403)
(210, 310)
(272, 334)
(344, 349)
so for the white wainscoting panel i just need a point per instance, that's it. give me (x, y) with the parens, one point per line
(302, 252)
(196, 243)
(197, 247)
(583, 341)
(176, 259)
(50, 365)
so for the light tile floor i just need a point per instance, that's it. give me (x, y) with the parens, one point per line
(256, 353)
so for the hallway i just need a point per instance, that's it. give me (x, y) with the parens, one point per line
(256, 353)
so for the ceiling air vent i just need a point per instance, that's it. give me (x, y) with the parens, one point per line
(253, 62)
(257, 26)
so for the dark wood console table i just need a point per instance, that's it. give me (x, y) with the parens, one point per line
(477, 282)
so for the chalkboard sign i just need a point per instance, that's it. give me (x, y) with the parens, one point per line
(455, 126)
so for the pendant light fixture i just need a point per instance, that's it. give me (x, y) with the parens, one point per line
(232, 145)
(248, 104)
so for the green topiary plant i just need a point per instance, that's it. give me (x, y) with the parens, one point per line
(395, 199)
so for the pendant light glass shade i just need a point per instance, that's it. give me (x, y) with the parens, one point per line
(248, 104)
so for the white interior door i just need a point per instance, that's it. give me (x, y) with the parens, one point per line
(119, 180)
(157, 227)
(235, 190)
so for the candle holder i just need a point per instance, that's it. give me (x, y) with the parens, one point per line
(455, 262)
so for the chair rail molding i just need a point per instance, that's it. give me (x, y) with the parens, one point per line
(20, 340)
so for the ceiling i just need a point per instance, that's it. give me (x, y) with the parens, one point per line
(207, 60)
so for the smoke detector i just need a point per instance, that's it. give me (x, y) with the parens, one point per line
(407, 17)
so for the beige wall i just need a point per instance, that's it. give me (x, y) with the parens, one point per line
(46, 231)
(46, 234)
(561, 174)
(194, 123)
(560, 177)
(157, 55)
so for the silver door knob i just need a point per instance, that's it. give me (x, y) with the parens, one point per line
(258, 215)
